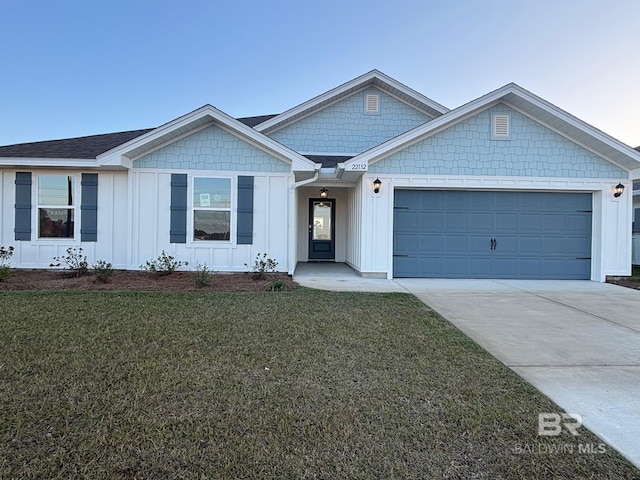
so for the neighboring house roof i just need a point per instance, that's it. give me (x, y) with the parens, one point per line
(526, 102)
(372, 78)
(91, 146)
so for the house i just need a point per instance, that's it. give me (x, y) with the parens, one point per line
(371, 173)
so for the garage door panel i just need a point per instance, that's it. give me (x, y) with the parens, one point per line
(406, 220)
(482, 222)
(457, 221)
(432, 221)
(462, 234)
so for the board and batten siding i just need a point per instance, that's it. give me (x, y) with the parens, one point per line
(106, 238)
(150, 211)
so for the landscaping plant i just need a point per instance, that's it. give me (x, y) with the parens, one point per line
(74, 261)
(163, 265)
(5, 255)
(262, 265)
(102, 270)
(202, 275)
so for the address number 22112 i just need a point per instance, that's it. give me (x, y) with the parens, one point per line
(359, 166)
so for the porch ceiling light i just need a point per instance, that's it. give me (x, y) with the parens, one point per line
(376, 185)
(324, 193)
(619, 190)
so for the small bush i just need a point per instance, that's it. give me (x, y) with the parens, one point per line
(163, 265)
(5, 254)
(202, 275)
(74, 261)
(262, 265)
(102, 271)
(278, 286)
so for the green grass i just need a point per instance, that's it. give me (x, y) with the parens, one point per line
(302, 384)
(635, 273)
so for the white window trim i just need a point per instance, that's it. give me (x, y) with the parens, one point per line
(36, 206)
(191, 208)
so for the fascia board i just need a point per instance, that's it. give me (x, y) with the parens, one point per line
(48, 162)
(356, 83)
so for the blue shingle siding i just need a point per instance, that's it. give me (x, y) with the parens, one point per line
(212, 149)
(344, 127)
(466, 148)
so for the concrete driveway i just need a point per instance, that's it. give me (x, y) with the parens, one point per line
(578, 342)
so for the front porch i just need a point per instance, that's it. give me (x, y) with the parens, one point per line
(338, 276)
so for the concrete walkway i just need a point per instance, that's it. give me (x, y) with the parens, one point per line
(578, 342)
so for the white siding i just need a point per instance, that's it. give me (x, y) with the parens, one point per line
(353, 254)
(150, 213)
(112, 222)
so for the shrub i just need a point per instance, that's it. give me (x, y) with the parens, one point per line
(262, 265)
(278, 286)
(163, 265)
(202, 275)
(102, 271)
(5, 254)
(74, 261)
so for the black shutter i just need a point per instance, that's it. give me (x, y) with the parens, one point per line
(89, 208)
(22, 227)
(178, 227)
(245, 210)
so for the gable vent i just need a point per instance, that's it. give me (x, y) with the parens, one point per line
(372, 104)
(501, 126)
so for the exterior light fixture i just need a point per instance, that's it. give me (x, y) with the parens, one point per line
(376, 185)
(324, 193)
(619, 190)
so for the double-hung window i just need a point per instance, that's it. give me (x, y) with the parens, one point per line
(56, 206)
(211, 208)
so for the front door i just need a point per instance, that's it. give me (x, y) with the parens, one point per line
(322, 243)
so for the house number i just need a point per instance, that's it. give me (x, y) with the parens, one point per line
(359, 166)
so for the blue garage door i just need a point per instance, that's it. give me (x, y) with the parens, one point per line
(459, 234)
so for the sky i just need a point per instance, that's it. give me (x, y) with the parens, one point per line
(75, 68)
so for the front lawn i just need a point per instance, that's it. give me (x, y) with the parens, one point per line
(302, 384)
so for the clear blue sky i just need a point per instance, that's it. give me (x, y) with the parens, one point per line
(74, 68)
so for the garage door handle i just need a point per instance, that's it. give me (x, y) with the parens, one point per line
(493, 244)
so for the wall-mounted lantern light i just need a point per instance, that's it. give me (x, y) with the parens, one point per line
(324, 193)
(376, 185)
(619, 190)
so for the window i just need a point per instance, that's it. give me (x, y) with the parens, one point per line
(211, 208)
(56, 206)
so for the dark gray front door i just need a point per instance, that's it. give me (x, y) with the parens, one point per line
(459, 234)
(322, 243)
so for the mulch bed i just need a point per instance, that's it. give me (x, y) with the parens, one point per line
(624, 282)
(139, 280)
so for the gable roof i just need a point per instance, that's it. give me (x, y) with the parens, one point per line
(125, 154)
(523, 101)
(373, 78)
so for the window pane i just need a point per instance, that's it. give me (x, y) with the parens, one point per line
(212, 192)
(321, 220)
(55, 190)
(56, 222)
(211, 225)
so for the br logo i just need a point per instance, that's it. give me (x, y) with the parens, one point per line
(552, 424)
